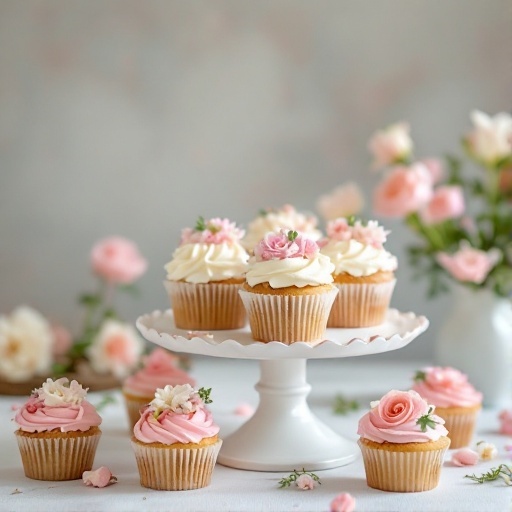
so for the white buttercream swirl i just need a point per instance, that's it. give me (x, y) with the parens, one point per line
(357, 259)
(298, 272)
(202, 263)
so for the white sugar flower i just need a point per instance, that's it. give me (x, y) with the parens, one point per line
(181, 398)
(116, 348)
(26, 342)
(61, 392)
(487, 451)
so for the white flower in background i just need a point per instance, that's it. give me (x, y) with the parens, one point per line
(26, 343)
(487, 451)
(344, 201)
(60, 392)
(491, 138)
(116, 348)
(390, 146)
(181, 398)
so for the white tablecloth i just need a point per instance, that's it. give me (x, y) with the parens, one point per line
(235, 490)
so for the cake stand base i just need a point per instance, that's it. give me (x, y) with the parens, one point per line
(283, 434)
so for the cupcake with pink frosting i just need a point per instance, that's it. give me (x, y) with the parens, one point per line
(456, 400)
(159, 369)
(176, 441)
(288, 292)
(57, 431)
(205, 274)
(403, 443)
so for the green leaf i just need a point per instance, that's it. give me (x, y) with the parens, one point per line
(90, 299)
(131, 289)
(200, 224)
(426, 421)
(292, 235)
(344, 406)
(420, 376)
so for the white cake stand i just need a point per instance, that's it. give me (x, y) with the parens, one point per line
(283, 433)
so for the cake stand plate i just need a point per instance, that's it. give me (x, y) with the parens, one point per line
(283, 434)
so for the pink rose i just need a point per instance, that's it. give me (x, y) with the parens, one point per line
(391, 146)
(446, 203)
(212, 231)
(344, 502)
(100, 477)
(371, 234)
(399, 407)
(469, 264)
(339, 229)
(435, 168)
(278, 246)
(404, 190)
(343, 201)
(465, 457)
(505, 418)
(117, 260)
(305, 482)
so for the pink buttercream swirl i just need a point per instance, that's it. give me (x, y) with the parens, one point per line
(35, 416)
(372, 233)
(159, 370)
(446, 387)
(396, 418)
(173, 427)
(212, 231)
(285, 244)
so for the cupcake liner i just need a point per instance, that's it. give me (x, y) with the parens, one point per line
(407, 471)
(288, 318)
(210, 306)
(57, 458)
(133, 405)
(361, 305)
(460, 425)
(175, 469)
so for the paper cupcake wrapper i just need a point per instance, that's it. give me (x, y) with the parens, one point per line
(57, 458)
(211, 306)
(361, 305)
(460, 426)
(288, 318)
(402, 471)
(175, 469)
(133, 406)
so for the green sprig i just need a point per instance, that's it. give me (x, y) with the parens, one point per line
(292, 235)
(292, 477)
(502, 471)
(204, 395)
(106, 400)
(200, 224)
(426, 421)
(420, 376)
(343, 405)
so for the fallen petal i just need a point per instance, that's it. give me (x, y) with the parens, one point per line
(465, 457)
(100, 477)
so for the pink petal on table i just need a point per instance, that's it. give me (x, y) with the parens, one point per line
(465, 457)
(344, 502)
(100, 477)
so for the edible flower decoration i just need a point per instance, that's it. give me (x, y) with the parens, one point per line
(212, 231)
(60, 392)
(285, 244)
(369, 233)
(181, 399)
(304, 480)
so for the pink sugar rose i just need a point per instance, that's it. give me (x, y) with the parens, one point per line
(343, 201)
(465, 457)
(435, 168)
(390, 146)
(305, 482)
(469, 264)
(344, 502)
(404, 190)
(212, 231)
(446, 203)
(398, 407)
(371, 234)
(339, 229)
(279, 246)
(117, 260)
(100, 477)
(505, 418)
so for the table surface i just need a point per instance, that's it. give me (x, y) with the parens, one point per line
(233, 381)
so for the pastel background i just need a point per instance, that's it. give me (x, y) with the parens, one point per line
(133, 118)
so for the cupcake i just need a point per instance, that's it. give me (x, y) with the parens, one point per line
(175, 440)
(456, 400)
(159, 369)
(272, 220)
(58, 431)
(205, 275)
(363, 272)
(403, 443)
(288, 292)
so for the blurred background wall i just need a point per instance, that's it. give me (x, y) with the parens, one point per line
(133, 118)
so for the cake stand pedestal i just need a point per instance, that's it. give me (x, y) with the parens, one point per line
(283, 433)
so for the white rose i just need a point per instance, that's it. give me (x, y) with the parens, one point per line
(26, 342)
(61, 392)
(116, 349)
(343, 201)
(181, 398)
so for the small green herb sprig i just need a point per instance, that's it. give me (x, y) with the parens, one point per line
(204, 395)
(200, 224)
(420, 376)
(503, 471)
(292, 235)
(343, 405)
(292, 477)
(426, 421)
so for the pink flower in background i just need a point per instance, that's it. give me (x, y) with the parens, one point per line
(343, 201)
(244, 409)
(278, 246)
(344, 502)
(403, 190)
(339, 229)
(305, 482)
(505, 418)
(469, 264)
(398, 407)
(371, 234)
(391, 146)
(446, 203)
(117, 260)
(212, 231)
(62, 339)
(465, 457)
(435, 168)
(491, 138)
(100, 477)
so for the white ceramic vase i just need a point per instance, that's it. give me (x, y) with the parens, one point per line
(476, 338)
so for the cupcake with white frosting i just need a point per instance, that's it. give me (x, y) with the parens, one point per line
(205, 275)
(288, 292)
(363, 272)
